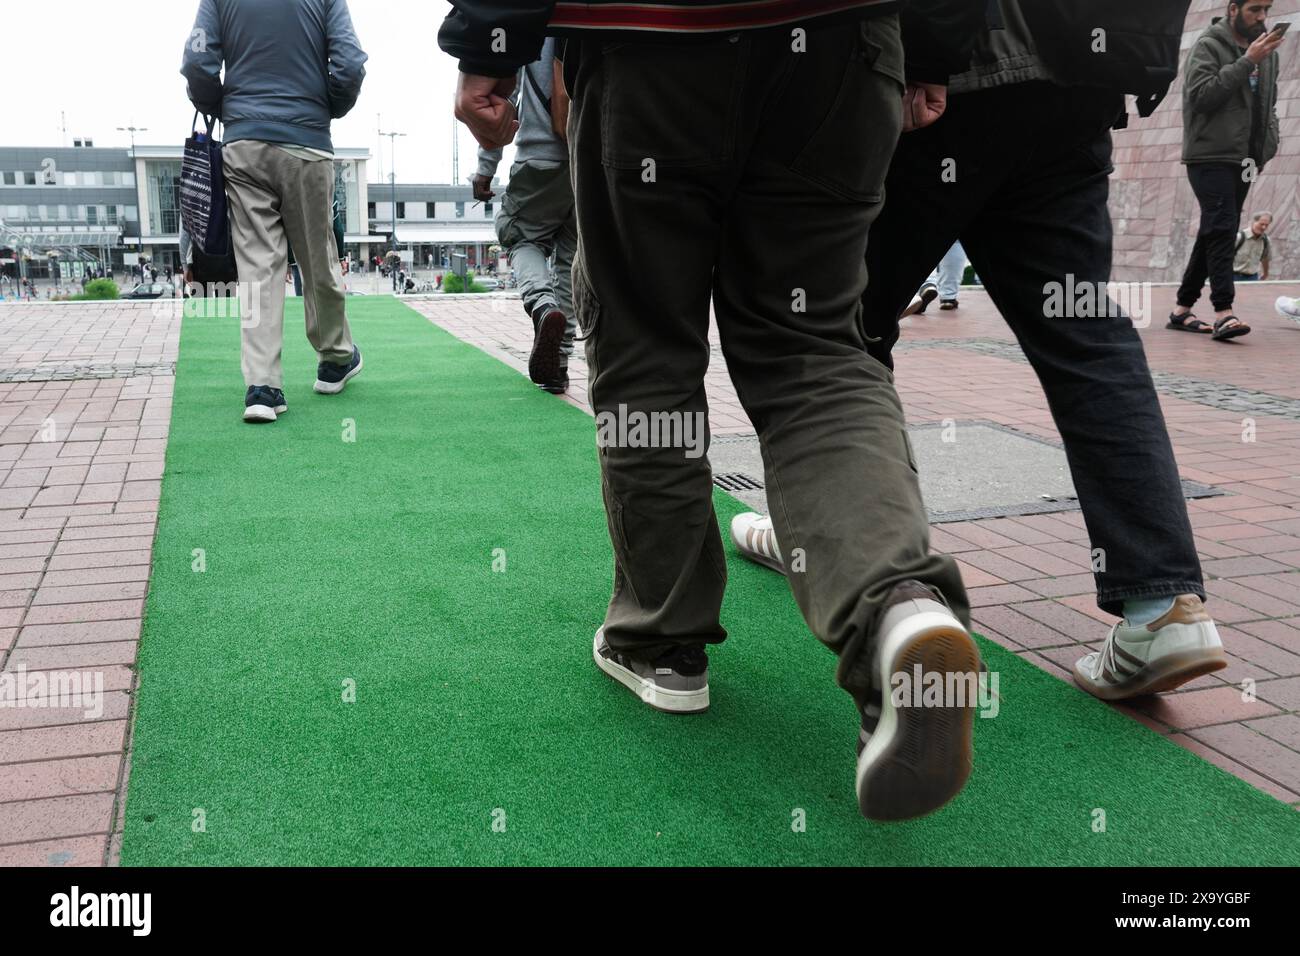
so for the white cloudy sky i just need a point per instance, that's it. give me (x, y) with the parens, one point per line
(110, 63)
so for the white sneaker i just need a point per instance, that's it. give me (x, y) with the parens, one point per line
(755, 538)
(1288, 307)
(915, 754)
(1150, 658)
(921, 301)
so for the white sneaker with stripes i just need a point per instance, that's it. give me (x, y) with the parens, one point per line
(1150, 658)
(755, 538)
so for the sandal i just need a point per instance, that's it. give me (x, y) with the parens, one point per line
(1225, 329)
(1187, 322)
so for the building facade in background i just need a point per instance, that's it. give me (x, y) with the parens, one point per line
(67, 207)
(66, 210)
(435, 222)
(1155, 212)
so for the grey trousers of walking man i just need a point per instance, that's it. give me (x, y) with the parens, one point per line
(538, 223)
(277, 198)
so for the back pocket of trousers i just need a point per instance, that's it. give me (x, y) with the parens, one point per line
(672, 104)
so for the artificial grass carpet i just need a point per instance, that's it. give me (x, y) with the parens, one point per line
(481, 731)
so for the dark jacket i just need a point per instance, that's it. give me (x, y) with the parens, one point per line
(291, 67)
(1217, 108)
(1004, 52)
(497, 37)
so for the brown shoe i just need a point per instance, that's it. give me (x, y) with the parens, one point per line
(545, 362)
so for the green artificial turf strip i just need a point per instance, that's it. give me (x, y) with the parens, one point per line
(372, 561)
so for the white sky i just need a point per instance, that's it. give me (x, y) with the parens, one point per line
(110, 63)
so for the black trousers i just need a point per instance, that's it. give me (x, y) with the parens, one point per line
(1028, 202)
(1221, 190)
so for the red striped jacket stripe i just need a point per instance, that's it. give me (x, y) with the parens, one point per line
(685, 19)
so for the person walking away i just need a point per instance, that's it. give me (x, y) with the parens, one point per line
(1250, 258)
(537, 222)
(944, 283)
(735, 153)
(290, 68)
(1028, 225)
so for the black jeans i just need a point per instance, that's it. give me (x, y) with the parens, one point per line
(1029, 204)
(739, 170)
(1221, 191)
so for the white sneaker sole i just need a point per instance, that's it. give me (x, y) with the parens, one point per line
(919, 758)
(263, 413)
(668, 701)
(920, 302)
(333, 388)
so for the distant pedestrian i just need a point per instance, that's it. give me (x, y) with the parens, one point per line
(944, 283)
(1230, 131)
(1250, 258)
(290, 67)
(537, 224)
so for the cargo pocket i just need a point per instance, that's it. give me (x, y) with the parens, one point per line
(675, 104)
(585, 305)
(910, 452)
(507, 231)
(618, 538)
(849, 152)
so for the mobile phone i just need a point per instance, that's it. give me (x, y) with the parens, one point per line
(1280, 27)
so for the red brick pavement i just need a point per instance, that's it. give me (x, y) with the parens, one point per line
(81, 463)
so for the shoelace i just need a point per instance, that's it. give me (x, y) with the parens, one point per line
(1110, 665)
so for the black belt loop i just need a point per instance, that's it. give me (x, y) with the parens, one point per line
(994, 16)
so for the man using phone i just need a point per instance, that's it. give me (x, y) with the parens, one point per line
(1230, 131)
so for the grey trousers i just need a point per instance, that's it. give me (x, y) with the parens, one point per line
(537, 221)
(277, 199)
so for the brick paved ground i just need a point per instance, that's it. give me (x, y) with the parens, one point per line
(85, 403)
(85, 395)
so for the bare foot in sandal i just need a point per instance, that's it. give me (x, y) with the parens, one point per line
(1229, 327)
(1187, 322)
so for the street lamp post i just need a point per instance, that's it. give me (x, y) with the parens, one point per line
(392, 176)
(133, 130)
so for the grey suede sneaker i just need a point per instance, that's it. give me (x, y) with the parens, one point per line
(676, 682)
(915, 750)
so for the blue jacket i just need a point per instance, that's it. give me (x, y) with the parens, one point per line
(291, 67)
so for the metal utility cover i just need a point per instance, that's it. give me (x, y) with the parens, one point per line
(968, 470)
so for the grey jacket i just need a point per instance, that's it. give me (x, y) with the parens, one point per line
(1217, 108)
(536, 140)
(291, 67)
